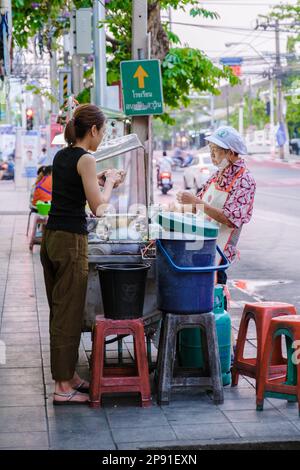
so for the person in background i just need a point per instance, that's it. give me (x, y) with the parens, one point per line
(64, 250)
(43, 186)
(43, 158)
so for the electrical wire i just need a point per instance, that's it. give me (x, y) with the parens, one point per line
(227, 28)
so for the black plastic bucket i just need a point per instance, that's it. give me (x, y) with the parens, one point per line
(123, 289)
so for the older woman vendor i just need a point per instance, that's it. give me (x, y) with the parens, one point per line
(228, 195)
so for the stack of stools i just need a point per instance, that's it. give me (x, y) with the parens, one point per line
(168, 376)
(288, 387)
(263, 314)
(119, 379)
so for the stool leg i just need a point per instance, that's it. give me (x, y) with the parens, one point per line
(159, 351)
(166, 365)
(142, 365)
(298, 386)
(263, 375)
(28, 223)
(149, 353)
(214, 360)
(97, 366)
(240, 346)
(120, 350)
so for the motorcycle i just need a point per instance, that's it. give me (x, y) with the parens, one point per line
(179, 162)
(164, 181)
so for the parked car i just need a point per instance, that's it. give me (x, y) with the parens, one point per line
(197, 174)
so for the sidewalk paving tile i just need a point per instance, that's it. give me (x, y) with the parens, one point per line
(204, 431)
(131, 434)
(253, 416)
(81, 441)
(134, 420)
(22, 418)
(267, 430)
(24, 440)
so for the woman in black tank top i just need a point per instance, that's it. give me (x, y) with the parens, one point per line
(64, 250)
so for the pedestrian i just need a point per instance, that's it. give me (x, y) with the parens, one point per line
(43, 158)
(43, 186)
(228, 196)
(64, 250)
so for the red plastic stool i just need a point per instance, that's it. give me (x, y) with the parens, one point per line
(119, 379)
(262, 313)
(287, 387)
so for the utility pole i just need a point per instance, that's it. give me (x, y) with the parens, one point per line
(140, 50)
(227, 104)
(212, 112)
(278, 72)
(250, 104)
(279, 85)
(5, 9)
(272, 127)
(99, 53)
(53, 81)
(241, 117)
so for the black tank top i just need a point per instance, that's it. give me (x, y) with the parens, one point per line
(67, 211)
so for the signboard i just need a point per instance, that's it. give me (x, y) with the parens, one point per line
(30, 144)
(7, 142)
(235, 63)
(142, 87)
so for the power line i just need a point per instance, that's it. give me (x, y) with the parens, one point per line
(240, 4)
(227, 28)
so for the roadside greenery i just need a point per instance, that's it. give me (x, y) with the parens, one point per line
(184, 69)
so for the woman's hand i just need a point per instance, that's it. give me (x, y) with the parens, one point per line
(115, 176)
(185, 197)
(101, 177)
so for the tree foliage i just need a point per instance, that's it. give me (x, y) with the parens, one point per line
(259, 117)
(184, 69)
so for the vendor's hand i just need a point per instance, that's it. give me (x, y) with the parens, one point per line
(185, 198)
(122, 175)
(113, 176)
(101, 177)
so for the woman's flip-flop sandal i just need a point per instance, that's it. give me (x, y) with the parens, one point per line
(68, 400)
(81, 388)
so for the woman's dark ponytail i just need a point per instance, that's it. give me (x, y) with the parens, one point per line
(85, 117)
(70, 134)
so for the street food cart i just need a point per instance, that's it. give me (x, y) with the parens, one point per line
(121, 235)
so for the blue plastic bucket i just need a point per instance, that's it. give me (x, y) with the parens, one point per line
(185, 277)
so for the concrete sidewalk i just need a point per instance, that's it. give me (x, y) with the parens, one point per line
(28, 418)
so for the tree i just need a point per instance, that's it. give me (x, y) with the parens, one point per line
(259, 115)
(184, 69)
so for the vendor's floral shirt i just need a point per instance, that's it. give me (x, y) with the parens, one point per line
(238, 207)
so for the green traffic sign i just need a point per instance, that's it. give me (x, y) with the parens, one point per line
(142, 87)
